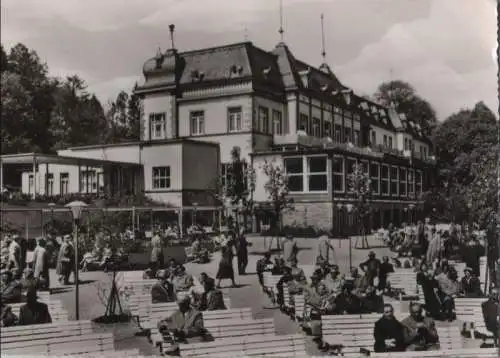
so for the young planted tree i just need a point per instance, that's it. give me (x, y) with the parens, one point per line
(359, 188)
(237, 187)
(278, 196)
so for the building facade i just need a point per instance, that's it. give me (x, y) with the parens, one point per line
(273, 107)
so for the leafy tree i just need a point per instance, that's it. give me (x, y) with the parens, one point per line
(407, 101)
(278, 196)
(134, 117)
(124, 118)
(359, 188)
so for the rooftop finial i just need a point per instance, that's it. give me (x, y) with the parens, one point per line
(171, 27)
(323, 50)
(281, 31)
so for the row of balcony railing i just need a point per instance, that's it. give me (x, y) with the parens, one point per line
(372, 150)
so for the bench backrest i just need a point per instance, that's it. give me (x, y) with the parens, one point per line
(56, 310)
(455, 353)
(87, 343)
(220, 329)
(44, 331)
(232, 313)
(449, 338)
(283, 345)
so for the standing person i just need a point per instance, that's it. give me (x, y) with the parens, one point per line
(490, 314)
(242, 252)
(325, 251)
(64, 260)
(290, 250)
(157, 259)
(384, 270)
(370, 267)
(471, 254)
(434, 249)
(226, 270)
(41, 265)
(421, 238)
(425, 278)
(15, 255)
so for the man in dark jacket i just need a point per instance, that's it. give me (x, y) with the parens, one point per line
(370, 267)
(33, 312)
(163, 290)
(388, 332)
(490, 314)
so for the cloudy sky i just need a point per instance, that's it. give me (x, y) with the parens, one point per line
(443, 47)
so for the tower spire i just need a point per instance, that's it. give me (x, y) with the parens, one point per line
(171, 27)
(323, 50)
(281, 30)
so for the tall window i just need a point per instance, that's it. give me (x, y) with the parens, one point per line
(88, 181)
(402, 182)
(374, 138)
(385, 140)
(338, 134)
(375, 177)
(100, 182)
(347, 134)
(365, 167)
(327, 129)
(394, 181)
(411, 187)
(338, 174)
(306, 174)
(418, 182)
(197, 120)
(390, 142)
(50, 184)
(31, 184)
(64, 183)
(161, 177)
(317, 174)
(264, 119)
(350, 163)
(406, 143)
(277, 123)
(234, 119)
(384, 180)
(304, 122)
(158, 125)
(294, 168)
(356, 137)
(316, 127)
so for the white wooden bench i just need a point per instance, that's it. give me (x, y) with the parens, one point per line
(455, 353)
(56, 309)
(81, 344)
(449, 337)
(208, 316)
(406, 280)
(266, 345)
(44, 331)
(469, 311)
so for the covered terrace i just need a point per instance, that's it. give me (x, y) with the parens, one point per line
(81, 175)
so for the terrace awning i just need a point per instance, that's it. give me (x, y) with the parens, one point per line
(31, 158)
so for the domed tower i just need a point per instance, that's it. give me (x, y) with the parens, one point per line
(159, 92)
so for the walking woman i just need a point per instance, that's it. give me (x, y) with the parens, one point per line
(226, 270)
(242, 252)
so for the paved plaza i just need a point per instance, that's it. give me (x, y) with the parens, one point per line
(247, 294)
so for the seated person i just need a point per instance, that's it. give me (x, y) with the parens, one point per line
(171, 267)
(359, 282)
(448, 290)
(490, 314)
(199, 254)
(205, 278)
(148, 274)
(347, 302)
(107, 255)
(8, 319)
(11, 288)
(33, 312)
(388, 333)
(89, 258)
(296, 285)
(318, 297)
(264, 264)
(185, 325)
(420, 332)
(284, 280)
(162, 291)
(29, 279)
(279, 266)
(371, 301)
(182, 281)
(470, 286)
(334, 280)
(211, 299)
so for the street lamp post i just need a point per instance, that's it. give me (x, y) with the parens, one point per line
(349, 208)
(76, 208)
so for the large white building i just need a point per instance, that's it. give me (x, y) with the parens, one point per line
(200, 104)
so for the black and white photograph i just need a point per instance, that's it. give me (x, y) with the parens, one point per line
(250, 178)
